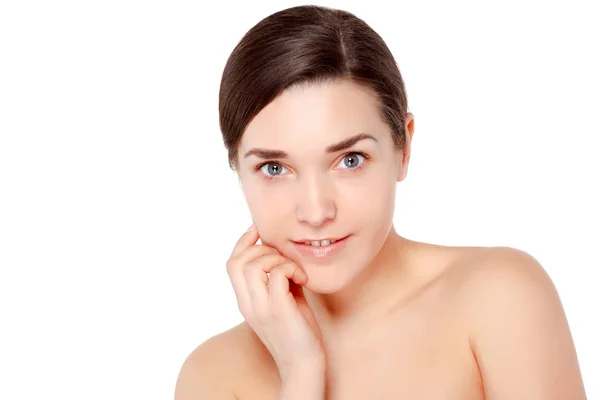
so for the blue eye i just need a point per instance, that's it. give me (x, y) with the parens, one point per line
(271, 167)
(352, 156)
(274, 169)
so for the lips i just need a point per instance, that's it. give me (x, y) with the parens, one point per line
(321, 251)
(302, 241)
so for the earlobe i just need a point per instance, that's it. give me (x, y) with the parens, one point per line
(404, 161)
(401, 174)
(402, 167)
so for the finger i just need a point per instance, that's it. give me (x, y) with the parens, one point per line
(235, 270)
(269, 261)
(279, 282)
(249, 238)
(256, 278)
(235, 265)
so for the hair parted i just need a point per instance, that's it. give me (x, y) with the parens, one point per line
(307, 45)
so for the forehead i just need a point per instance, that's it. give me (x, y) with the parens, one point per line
(319, 113)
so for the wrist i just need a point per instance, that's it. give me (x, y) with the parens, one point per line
(306, 381)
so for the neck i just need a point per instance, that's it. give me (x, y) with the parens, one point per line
(369, 295)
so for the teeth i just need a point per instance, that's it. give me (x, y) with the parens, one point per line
(320, 243)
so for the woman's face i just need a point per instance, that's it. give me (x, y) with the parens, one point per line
(311, 191)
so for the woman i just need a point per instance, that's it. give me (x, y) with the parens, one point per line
(337, 305)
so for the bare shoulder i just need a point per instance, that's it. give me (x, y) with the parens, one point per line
(503, 277)
(218, 366)
(518, 329)
(205, 373)
(500, 280)
(482, 268)
(212, 368)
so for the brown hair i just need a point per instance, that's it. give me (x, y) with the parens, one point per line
(306, 45)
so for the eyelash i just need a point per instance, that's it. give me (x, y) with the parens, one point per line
(267, 177)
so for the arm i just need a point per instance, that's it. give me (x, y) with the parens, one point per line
(519, 332)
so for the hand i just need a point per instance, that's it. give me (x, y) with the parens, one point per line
(274, 305)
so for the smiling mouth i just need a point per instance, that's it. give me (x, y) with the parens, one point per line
(322, 242)
(321, 250)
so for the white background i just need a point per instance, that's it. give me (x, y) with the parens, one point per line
(118, 210)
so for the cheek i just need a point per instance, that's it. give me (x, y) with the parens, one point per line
(267, 211)
(265, 203)
(374, 202)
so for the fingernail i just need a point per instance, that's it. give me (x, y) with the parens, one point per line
(252, 227)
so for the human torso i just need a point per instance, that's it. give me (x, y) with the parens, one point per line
(419, 350)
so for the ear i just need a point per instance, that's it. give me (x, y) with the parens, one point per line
(409, 128)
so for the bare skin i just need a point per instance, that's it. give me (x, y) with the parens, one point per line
(399, 318)
(423, 345)
(418, 348)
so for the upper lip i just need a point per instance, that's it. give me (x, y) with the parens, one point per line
(319, 240)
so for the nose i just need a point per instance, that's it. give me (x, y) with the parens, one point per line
(316, 201)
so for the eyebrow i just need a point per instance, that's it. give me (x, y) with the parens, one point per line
(343, 145)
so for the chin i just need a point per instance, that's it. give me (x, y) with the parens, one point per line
(322, 287)
(331, 276)
(328, 279)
